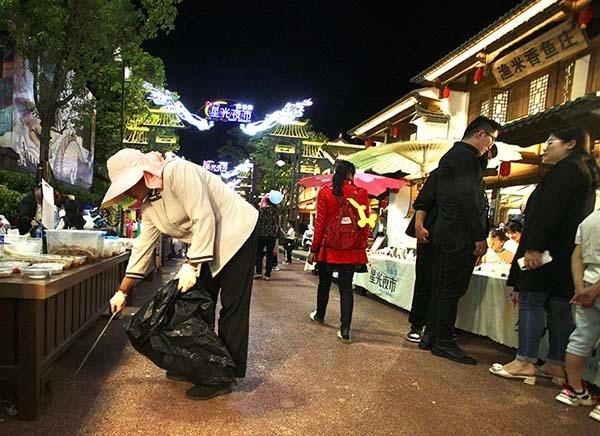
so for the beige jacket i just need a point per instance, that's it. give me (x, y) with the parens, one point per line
(196, 207)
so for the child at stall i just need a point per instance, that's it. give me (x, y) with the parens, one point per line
(585, 264)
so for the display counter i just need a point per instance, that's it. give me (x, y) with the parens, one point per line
(489, 308)
(40, 319)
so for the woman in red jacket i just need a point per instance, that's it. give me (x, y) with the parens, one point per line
(339, 243)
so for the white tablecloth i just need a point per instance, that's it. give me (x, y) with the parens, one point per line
(489, 308)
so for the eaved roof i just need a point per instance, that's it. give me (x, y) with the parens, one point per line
(471, 43)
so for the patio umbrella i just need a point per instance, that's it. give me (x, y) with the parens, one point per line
(375, 185)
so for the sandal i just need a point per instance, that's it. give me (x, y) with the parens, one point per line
(498, 369)
(556, 380)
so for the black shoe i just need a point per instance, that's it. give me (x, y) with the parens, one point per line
(451, 351)
(414, 335)
(426, 342)
(175, 377)
(344, 336)
(201, 392)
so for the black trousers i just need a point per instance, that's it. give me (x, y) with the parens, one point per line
(289, 247)
(424, 282)
(346, 296)
(267, 243)
(454, 268)
(234, 282)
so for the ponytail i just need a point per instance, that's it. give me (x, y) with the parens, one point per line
(343, 168)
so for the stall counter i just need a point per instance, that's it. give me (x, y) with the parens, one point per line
(40, 319)
(489, 308)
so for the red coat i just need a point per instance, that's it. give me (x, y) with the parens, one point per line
(327, 208)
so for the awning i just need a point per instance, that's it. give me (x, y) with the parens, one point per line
(534, 129)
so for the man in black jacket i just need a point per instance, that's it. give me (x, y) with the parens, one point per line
(460, 233)
(421, 228)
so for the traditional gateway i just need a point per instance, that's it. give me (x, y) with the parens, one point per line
(534, 69)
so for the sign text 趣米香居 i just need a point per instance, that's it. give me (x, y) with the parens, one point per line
(216, 167)
(559, 43)
(229, 112)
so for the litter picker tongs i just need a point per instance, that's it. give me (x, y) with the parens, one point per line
(95, 343)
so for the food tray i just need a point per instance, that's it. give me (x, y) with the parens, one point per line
(5, 271)
(15, 266)
(55, 267)
(33, 272)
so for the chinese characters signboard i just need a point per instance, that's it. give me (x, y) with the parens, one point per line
(285, 149)
(559, 43)
(225, 112)
(384, 281)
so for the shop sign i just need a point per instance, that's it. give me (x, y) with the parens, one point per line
(382, 280)
(285, 149)
(225, 112)
(559, 43)
(309, 169)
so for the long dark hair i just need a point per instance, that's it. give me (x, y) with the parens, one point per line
(582, 148)
(73, 217)
(343, 168)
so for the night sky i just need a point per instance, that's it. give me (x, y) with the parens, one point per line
(352, 58)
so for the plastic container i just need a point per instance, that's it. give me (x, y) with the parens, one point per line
(76, 243)
(34, 272)
(56, 268)
(112, 247)
(5, 271)
(22, 245)
(15, 266)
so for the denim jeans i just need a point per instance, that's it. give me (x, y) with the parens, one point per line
(536, 310)
(346, 296)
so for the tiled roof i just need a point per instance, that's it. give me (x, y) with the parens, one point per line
(419, 78)
(295, 130)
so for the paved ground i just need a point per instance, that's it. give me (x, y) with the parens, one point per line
(301, 381)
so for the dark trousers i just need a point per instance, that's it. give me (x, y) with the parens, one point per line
(346, 296)
(289, 247)
(234, 282)
(454, 268)
(424, 282)
(268, 243)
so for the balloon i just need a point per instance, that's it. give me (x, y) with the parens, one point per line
(275, 197)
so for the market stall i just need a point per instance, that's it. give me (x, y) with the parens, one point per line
(48, 300)
(489, 308)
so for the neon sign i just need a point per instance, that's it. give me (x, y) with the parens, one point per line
(225, 112)
(289, 113)
(216, 167)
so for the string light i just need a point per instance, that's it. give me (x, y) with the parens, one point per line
(165, 99)
(287, 115)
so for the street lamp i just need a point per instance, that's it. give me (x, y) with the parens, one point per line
(125, 75)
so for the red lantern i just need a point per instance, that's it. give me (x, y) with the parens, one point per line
(505, 169)
(585, 16)
(478, 75)
(446, 92)
(395, 132)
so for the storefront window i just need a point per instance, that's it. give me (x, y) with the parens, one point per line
(500, 107)
(538, 90)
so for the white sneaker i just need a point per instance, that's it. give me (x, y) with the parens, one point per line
(276, 268)
(569, 397)
(258, 276)
(595, 414)
(313, 317)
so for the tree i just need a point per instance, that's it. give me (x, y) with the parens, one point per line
(69, 42)
(107, 89)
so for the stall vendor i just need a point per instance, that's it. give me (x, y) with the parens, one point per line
(186, 202)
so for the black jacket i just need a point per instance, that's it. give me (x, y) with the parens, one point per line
(461, 201)
(563, 198)
(426, 201)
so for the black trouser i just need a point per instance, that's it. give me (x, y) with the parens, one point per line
(268, 243)
(289, 247)
(235, 283)
(454, 268)
(424, 281)
(346, 296)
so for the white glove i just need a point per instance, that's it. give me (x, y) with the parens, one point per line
(186, 277)
(117, 302)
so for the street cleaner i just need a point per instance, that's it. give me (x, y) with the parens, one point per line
(186, 202)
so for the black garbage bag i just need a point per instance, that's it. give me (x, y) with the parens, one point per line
(174, 330)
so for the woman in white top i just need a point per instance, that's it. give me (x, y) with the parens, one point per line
(290, 238)
(186, 202)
